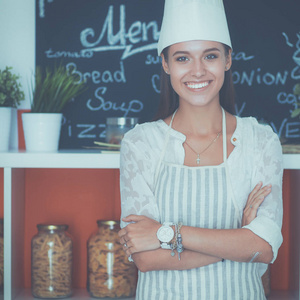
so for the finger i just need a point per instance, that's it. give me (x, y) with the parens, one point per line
(129, 251)
(256, 204)
(122, 232)
(255, 190)
(265, 191)
(122, 240)
(133, 218)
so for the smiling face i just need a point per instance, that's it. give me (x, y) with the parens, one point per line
(197, 70)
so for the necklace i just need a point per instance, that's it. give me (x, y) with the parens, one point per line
(198, 154)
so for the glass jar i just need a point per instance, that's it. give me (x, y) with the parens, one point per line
(51, 262)
(1, 255)
(117, 127)
(110, 274)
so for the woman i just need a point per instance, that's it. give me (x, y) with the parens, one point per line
(200, 188)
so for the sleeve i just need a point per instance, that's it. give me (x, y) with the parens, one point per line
(136, 180)
(269, 169)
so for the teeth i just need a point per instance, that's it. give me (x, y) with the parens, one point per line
(197, 85)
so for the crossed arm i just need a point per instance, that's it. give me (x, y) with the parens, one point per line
(202, 246)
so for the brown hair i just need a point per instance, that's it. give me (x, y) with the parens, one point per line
(169, 100)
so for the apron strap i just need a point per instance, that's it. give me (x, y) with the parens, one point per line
(162, 155)
(228, 179)
(224, 131)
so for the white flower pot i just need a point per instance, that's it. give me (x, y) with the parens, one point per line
(5, 125)
(41, 131)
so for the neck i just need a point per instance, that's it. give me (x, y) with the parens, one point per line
(198, 121)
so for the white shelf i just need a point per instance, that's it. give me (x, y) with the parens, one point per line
(291, 161)
(86, 159)
(82, 159)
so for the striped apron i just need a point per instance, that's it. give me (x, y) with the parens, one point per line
(199, 197)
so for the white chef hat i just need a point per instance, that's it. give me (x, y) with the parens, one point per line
(188, 20)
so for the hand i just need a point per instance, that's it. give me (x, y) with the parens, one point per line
(255, 199)
(140, 235)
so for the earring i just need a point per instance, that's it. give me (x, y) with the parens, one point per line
(226, 68)
(167, 72)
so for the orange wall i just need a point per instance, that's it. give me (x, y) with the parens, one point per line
(1, 192)
(80, 197)
(74, 197)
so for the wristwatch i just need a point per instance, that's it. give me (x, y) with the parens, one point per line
(165, 234)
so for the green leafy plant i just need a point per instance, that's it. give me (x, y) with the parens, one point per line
(53, 89)
(11, 93)
(296, 111)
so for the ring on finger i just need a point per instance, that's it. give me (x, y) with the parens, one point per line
(125, 245)
(250, 206)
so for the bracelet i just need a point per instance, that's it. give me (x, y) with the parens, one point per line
(174, 242)
(179, 240)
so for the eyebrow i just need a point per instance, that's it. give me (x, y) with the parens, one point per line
(205, 51)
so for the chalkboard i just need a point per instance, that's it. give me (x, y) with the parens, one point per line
(112, 44)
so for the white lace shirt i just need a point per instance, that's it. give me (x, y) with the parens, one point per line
(257, 156)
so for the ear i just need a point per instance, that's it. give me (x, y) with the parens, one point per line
(228, 60)
(165, 64)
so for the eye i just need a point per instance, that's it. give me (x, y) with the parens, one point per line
(182, 59)
(211, 56)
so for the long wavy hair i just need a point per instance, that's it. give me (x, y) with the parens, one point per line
(169, 100)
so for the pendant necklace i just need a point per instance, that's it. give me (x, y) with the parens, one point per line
(198, 154)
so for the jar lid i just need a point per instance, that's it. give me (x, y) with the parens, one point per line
(108, 222)
(121, 121)
(52, 227)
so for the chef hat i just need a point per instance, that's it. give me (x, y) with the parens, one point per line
(188, 20)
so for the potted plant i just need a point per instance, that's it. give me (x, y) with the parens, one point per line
(11, 94)
(53, 89)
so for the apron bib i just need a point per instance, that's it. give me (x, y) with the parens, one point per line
(199, 197)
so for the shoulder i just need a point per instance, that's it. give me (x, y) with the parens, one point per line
(250, 128)
(145, 133)
(257, 138)
(147, 137)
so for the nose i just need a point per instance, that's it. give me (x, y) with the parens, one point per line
(198, 68)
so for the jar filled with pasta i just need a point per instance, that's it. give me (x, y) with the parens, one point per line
(51, 262)
(110, 274)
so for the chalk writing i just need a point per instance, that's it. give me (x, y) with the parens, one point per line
(99, 103)
(87, 131)
(155, 82)
(241, 56)
(97, 77)
(87, 128)
(292, 129)
(239, 111)
(138, 32)
(152, 60)
(295, 74)
(287, 40)
(42, 8)
(255, 76)
(284, 98)
(68, 54)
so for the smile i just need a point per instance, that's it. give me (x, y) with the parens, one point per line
(199, 85)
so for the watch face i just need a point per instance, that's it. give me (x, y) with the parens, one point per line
(165, 234)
